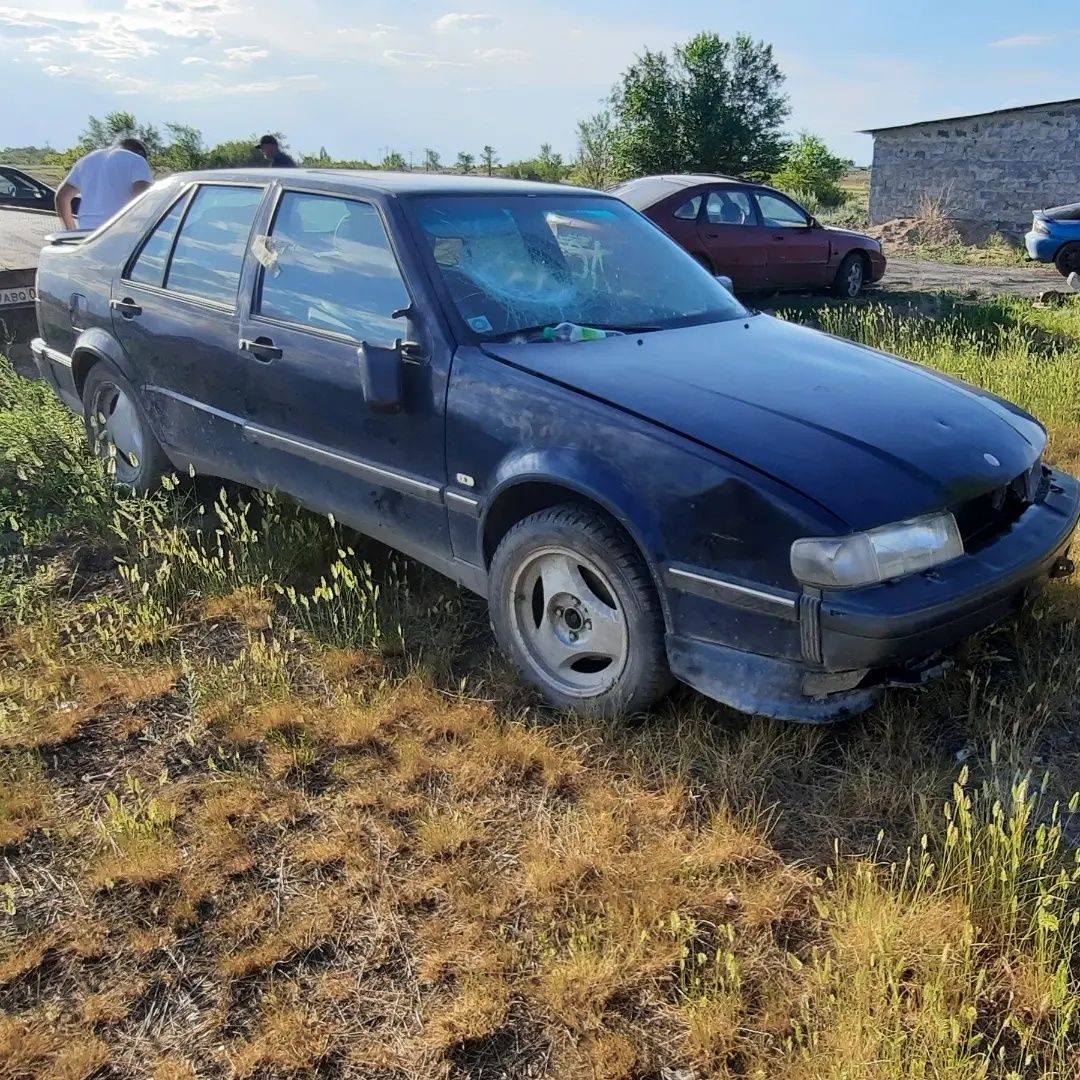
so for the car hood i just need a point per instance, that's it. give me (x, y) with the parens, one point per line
(870, 437)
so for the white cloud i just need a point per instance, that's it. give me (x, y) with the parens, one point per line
(194, 60)
(383, 30)
(496, 56)
(456, 21)
(55, 69)
(1021, 40)
(424, 60)
(243, 55)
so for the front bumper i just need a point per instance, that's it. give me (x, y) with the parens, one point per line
(858, 642)
(901, 621)
(877, 265)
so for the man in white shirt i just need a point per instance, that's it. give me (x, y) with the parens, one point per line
(105, 181)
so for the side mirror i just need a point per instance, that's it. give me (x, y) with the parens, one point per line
(726, 282)
(380, 376)
(813, 223)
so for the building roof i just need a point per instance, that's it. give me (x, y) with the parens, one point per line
(971, 116)
(392, 183)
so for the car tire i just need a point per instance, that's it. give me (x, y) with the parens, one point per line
(572, 603)
(118, 430)
(850, 277)
(1067, 260)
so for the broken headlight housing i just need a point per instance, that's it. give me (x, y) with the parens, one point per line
(866, 558)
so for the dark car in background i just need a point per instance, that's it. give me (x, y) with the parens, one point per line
(783, 520)
(24, 192)
(757, 236)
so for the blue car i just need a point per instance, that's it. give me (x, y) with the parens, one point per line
(1055, 237)
(535, 391)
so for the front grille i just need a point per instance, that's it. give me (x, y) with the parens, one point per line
(982, 519)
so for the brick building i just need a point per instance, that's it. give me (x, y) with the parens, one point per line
(992, 168)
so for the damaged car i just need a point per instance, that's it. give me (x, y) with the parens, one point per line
(537, 392)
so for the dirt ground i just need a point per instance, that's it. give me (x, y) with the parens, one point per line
(915, 275)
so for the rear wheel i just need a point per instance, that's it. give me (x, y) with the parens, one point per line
(1067, 260)
(118, 430)
(574, 606)
(850, 277)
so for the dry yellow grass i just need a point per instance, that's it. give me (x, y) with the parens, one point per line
(321, 856)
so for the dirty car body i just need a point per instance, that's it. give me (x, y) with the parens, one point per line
(374, 346)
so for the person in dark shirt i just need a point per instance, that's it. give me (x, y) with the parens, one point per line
(274, 154)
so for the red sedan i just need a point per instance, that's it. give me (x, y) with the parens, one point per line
(755, 235)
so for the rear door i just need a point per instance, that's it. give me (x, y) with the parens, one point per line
(329, 283)
(174, 311)
(797, 253)
(733, 237)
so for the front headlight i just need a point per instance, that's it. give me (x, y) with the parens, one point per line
(1040, 227)
(844, 562)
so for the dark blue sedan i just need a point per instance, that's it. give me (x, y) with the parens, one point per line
(535, 391)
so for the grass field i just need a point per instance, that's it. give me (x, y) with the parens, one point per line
(270, 806)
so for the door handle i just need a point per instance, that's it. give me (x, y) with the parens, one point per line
(712, 236)
(127, 307)
(262, 348)
(780, 237)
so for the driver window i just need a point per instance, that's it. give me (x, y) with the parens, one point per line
(729, 208)
(778, 213)
(332, 268)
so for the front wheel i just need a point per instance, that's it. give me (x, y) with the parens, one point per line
(849, 278)
(574, 606)
(118, 430)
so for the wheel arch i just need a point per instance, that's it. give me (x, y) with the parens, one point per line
(527, 493)
(91, 347)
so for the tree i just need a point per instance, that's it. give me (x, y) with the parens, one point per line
(489, 159)
(432, 160)
(811, 169)
(185, 150)
(465, 162)
(594, 164)
(394, 161)
(235, 153)
(120, 125)
(716, 106)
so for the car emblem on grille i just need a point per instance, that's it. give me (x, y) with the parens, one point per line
(991, 460)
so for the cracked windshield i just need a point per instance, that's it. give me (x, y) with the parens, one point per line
(556, 268)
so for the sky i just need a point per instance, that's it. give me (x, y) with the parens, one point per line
(362, 76)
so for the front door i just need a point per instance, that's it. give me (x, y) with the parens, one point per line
(174, 312)
(798, 252)
(329, 283)
(730, 233)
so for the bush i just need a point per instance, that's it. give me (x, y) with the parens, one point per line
(811, 168)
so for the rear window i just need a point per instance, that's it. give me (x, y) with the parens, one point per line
(689, 210)
(209, 252)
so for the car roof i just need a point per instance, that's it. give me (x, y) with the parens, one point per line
(392, 183)
(649, 190)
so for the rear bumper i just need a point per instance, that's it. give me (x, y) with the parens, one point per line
(857, 643)
(1041, 248)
